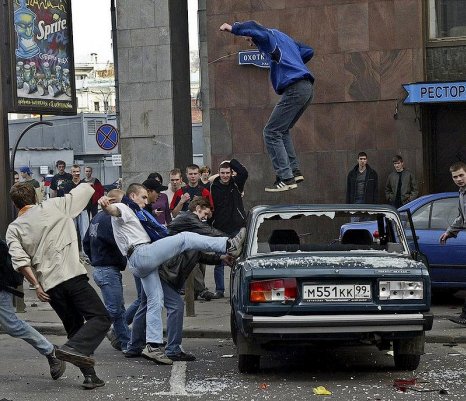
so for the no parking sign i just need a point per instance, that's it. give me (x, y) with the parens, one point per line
(107, 137)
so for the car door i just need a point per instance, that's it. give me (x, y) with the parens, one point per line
(447, 262)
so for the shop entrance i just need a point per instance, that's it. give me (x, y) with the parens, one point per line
(448, 122)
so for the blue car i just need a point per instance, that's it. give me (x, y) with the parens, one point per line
(431, 216)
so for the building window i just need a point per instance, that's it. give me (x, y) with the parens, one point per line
(447, 19)
(96, 106)
(92, 126)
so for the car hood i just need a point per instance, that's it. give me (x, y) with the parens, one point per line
(357, 261)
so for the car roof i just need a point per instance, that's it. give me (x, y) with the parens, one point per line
(416, 203)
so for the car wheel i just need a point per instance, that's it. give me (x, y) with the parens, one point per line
(248, 363)
(233, 328)
(405, 361)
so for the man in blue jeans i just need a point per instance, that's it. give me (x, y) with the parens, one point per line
(108, 262)
(294, 82)
(145, 258)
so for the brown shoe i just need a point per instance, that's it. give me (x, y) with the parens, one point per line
(68, 354)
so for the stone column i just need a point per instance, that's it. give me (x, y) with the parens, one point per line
(153, 70)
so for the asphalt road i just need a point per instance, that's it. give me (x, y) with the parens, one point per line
(288, 374)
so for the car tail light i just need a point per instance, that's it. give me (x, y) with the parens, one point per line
(376, 234)
(273, 290)
(389, 290)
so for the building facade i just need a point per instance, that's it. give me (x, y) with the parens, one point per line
(365, 51)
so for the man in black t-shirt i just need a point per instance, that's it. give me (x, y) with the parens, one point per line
(56, 186)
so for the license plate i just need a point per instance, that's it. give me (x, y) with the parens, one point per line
(336, 292)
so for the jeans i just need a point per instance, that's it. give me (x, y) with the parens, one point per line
(75, 301)
(175, 309)
(109, 280)
(18, 328)
(131, 311)
(294, 101)
(145, 262)
(219, 277)
(138, 329)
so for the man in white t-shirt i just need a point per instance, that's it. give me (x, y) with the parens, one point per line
(145, 258)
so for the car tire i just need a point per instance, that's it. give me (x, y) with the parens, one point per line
(405, 361)
(248, 363)
(233, 327)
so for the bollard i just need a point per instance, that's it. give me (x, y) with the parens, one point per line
(19, 302)
(189, 296)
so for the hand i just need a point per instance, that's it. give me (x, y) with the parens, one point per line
(444, 237)
(225, 27)
(41, 294)
(157, 212)
(228, 260)
(185, 198)
(105, 201)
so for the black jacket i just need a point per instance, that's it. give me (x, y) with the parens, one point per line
(9, 278)
(176, 270)
(229, 215)
(99, 244)
(371, 191)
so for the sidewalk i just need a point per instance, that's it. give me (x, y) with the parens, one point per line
(212, 318)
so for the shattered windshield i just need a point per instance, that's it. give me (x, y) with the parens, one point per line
(328, 231)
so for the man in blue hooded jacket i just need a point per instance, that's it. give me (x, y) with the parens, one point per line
(294, 82)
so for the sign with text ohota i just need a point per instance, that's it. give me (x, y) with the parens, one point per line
(42, 57)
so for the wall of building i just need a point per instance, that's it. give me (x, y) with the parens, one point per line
(364, 52)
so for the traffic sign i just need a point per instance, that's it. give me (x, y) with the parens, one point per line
(107, 137)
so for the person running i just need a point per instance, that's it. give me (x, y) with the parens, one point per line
(294, 82)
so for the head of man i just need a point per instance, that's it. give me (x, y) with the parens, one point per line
(116, 195)
(15, 177)
(88, 172)
(362, 160)
(205, 173)
(155, 176)
(224, 172)
(25, 172)
(201, 208)
(153, 188)
(138, 194)
(61, 165)
(458, 174)
(22, 194)
(398, 163)
(175, 179)
(192, 172)
(76, 173)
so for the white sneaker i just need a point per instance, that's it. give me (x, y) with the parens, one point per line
(235, 244)
(156, 355)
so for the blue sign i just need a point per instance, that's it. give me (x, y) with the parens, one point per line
(107, 137)
(435, 92)
(253, 57)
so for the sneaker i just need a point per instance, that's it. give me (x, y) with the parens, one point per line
(182, 356)
(298, 176)
(235, 244)
(92, 381)
(206, 295)
(114, 341)
(68, 354)
(282, 185)
(57, 367)
(218, 295)
(461, 319)
(156, 355)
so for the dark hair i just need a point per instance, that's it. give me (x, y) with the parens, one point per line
(155, 176)
(76, 166)
(457, 166)
(397, 158)
(224, 164)
(192, 167)
(134, 188)
(15, 173)
(202, 202)
(23, 194)
(60, 162)
(362, 154)
(89, 167)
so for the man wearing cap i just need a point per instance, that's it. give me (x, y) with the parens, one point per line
(26, 175)
(157, 203)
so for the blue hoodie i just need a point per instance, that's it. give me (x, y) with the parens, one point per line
(285, 56)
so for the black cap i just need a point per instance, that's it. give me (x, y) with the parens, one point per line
(154, 185)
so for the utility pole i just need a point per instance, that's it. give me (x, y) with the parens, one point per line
(5, 95)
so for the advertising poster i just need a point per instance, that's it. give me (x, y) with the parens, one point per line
(42, 57)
